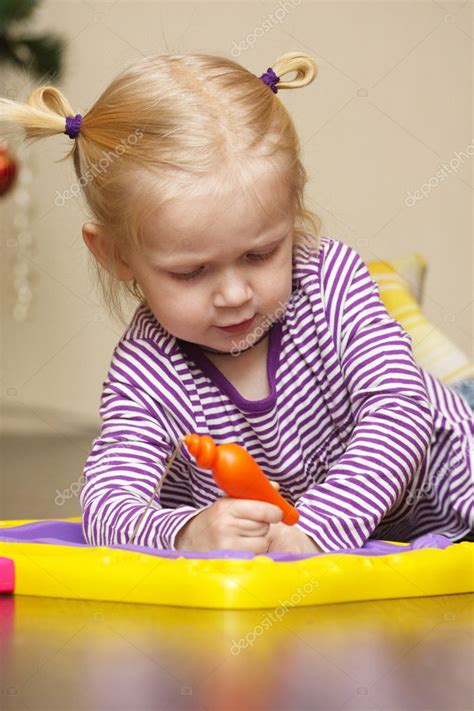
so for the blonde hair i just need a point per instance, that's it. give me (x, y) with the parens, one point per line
(165, 123)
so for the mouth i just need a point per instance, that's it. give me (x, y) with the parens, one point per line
(238, 327)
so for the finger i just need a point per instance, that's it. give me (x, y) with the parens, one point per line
(254, 544)
(245, 527)
(254, 510)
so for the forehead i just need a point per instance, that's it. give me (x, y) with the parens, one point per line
(190, 225)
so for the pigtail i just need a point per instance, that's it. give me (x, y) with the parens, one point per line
(305, 67)
(43, 114)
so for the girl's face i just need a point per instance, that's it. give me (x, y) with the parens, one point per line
(214, 262)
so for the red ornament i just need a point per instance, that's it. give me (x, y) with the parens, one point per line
(8, 169)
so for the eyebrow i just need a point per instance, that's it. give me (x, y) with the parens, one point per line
(197, 261)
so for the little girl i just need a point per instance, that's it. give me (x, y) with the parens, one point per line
(251, 327)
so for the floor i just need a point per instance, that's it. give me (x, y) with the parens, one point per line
(391, 655)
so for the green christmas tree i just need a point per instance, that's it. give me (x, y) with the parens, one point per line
(40, 55)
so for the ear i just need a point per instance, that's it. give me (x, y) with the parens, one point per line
(101, 245)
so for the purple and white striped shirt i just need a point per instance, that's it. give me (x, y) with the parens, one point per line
(362, 441)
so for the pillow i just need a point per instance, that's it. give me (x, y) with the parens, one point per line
(401, 286)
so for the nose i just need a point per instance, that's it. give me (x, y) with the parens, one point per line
(233, 290)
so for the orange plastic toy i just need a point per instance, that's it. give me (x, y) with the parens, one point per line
(237, 473)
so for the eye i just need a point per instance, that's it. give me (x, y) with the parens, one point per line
(257, 256)
(185, 275)
(263, 255)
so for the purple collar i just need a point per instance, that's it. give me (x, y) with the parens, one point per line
(219, 379)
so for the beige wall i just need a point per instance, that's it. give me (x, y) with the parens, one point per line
(391, 104)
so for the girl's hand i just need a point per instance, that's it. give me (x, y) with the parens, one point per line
(228, 523)
(289, 539)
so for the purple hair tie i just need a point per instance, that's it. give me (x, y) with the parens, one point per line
(271, 79)
(73, 125)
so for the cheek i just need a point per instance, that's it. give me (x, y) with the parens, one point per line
(187, 304)
(164, 290)
(283, 273)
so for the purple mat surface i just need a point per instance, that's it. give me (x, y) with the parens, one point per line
(69, 533)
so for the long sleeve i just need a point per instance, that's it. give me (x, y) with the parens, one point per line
(123, 468)
(390, 408)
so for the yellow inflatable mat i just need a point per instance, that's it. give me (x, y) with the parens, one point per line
(51, 558)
